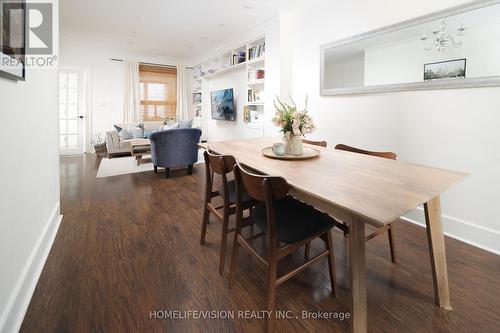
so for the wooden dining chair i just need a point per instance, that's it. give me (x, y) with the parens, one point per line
(282, 220)
(221, 165)
(389, 228)
(315, 143)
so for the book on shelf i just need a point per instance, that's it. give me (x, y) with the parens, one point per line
(256, 51)
(256, 74)
(239, 57)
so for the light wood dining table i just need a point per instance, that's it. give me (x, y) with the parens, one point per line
(358, 190)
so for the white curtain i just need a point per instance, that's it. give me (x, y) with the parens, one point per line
(182, 93)
(131, 106)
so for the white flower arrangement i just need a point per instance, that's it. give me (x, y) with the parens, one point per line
(291, 120)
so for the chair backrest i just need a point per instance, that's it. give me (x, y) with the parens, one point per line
(175, 147)
(388, 155)
(315, 143)
(220, 164)
(262, 188)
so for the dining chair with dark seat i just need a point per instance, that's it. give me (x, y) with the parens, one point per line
(315, 143)
(285, 222)
(389, 227)
(221, 165)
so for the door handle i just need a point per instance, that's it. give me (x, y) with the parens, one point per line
(81, 117)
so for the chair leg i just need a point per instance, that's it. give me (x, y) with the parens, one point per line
(167, 172)
(271, 291)
(331, 262)
(307, 251)
(190, 169)
(206, 217)
(234, 259)
(391, 243)
(223, 242)
(156, 169)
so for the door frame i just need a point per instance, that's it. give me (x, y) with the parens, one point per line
(84, 124)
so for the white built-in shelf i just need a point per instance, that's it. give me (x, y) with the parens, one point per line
(258, 82)
(227, 69)
(257, 125)
(223, 63)
(256, 61)
(256, 103)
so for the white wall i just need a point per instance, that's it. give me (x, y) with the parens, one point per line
(222, 129)
(105, 77)
(452, 129)
(29, 191)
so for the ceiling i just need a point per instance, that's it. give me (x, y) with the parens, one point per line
(177, 29)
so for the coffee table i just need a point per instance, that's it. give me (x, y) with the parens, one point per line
(139, 148)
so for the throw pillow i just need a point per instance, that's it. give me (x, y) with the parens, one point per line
(185, 123)
(131, 132)
(147, 134)
(170, 121)
(169, 127)
(136, 132)
(125, 134)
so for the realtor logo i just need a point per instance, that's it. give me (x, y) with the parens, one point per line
(38, 26)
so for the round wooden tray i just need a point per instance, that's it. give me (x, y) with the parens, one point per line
(306, 154)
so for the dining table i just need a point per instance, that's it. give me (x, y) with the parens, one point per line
(359, 190)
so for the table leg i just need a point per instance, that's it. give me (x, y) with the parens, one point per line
(437, 251)
(358, 276)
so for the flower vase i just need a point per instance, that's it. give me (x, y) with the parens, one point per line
(293, 144)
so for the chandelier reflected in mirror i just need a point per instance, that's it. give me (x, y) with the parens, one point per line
(441, 39)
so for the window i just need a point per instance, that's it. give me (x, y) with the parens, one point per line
(158, 92)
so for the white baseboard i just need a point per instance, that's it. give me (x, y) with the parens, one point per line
(473, 234)
(13, 315)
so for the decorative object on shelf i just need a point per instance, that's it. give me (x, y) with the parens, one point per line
(293, 123)
(445, 70)
(254, 95)
(196, 98)
(441, 38)
(246, 114)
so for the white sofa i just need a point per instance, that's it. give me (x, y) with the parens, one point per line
(117, 146)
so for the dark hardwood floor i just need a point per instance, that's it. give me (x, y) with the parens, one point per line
(129, 245)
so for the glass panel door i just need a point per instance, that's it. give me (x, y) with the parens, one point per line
(71, 116)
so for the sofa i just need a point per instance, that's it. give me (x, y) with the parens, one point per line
(175, 148)
(118, 146)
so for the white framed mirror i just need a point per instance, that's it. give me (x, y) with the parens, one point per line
(454, 48)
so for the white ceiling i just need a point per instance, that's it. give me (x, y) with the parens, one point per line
(177, 29)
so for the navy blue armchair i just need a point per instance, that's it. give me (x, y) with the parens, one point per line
(175, 148)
